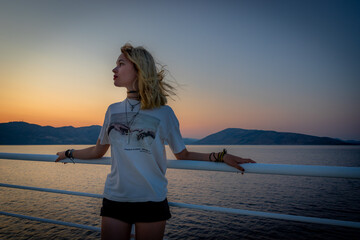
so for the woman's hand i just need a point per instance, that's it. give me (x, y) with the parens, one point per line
(229, 159)
(61, 156)
(234, 161)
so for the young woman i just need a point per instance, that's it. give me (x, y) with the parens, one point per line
(137, 130)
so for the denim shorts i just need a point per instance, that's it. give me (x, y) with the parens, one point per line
(133, 212)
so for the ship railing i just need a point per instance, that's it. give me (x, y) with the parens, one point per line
(255, 168)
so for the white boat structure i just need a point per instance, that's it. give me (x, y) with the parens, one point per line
(255, 168)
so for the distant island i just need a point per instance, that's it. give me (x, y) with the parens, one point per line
(22, 133)
(238, 136)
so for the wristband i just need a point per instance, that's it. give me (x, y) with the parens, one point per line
(69, 154)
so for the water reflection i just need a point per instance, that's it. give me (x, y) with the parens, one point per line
(318, 197)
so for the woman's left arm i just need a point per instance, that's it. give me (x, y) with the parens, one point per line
(229, 159)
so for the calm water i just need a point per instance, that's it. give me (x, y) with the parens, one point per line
(307, 196)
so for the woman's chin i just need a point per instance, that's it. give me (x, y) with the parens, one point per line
(116, 84)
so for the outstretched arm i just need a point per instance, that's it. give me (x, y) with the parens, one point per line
(229, 159)
(94, 152)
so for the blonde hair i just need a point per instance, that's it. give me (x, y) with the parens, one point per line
(153, 89)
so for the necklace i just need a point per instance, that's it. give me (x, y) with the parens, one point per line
(132, 92)
(132, 105)
(129, 123)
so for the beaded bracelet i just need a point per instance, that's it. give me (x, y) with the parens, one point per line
(220, 156)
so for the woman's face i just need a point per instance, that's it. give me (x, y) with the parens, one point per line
(124, 73)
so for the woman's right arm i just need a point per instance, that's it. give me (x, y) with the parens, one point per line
(94, 152)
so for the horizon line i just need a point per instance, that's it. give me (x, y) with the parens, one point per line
(346, 140)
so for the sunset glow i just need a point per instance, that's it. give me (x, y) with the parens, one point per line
(286, 66)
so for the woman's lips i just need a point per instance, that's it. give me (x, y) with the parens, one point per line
(115, 77)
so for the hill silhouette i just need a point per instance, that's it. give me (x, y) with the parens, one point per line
(238, 136)
(22, 133)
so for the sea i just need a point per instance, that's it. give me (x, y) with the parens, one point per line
(333, 198)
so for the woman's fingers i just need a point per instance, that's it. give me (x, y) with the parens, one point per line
(242, 161)
(58, 159)
(240, 168)
(247, 160)
(235, 163)
(61, 156)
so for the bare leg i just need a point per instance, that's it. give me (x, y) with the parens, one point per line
(112, 228)
(150, 231)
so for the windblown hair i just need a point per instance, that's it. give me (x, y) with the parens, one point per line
(153, 89)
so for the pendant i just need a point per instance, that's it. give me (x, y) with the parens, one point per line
(129, 137)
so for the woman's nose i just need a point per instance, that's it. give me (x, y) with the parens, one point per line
(114, 70)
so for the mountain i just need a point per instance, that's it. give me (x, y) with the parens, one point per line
(354, 142)
(189, 141)
(22, 133)
(238, 136)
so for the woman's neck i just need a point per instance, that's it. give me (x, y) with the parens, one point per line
(133, 95)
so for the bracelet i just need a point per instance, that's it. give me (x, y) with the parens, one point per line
(220, 156)
(69, 154)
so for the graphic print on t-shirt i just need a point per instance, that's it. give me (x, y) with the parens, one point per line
(134, 131)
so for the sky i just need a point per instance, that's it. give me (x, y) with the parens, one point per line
(289, 66)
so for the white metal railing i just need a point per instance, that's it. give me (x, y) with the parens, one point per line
(296, 170)
(199, 207)
(91, 228)
(259, 168)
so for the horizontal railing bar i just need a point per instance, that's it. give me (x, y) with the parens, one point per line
(259, 168)
(50, 158)
(276, 169)
(211, 208)
(68, 224)
(270, 215)
(82, 194)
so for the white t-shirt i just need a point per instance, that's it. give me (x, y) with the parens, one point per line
(138, 158)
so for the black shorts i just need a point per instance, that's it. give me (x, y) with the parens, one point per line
(132, 212)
